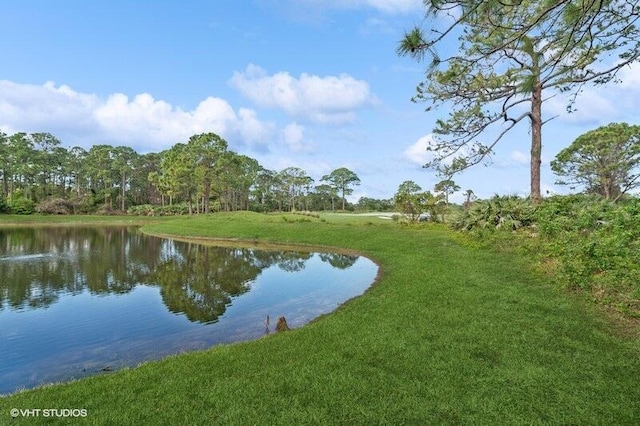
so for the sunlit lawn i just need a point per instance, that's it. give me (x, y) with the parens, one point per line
(448, 335)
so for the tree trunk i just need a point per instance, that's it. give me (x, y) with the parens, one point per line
(122, 184)
(206, 194)
(536, 142)
(5, 186)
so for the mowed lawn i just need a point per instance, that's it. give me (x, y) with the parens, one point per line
(449, 334)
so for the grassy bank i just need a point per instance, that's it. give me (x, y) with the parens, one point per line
(448, 335)
(50, 220)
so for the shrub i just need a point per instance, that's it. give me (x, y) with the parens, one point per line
(593, 237)
(152, 210)
(56, 206)
(4, 207)
(593, 243)
(107, 209)
(21, 205)
(142, 210)
(500, 212)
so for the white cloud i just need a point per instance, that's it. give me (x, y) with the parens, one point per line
(33, 108)
(417, 153)
(600, 105)
(385, 6)
(630, 77)
(331, 99)
(389, 6)
(520, 157)
(591, 107)
(142, 122)
(252, 130)
(514, 160)
(293, 135)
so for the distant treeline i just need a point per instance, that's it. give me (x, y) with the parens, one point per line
(202, 175)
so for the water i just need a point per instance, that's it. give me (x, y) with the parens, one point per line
(81, 301)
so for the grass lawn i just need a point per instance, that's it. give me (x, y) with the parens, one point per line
(51, 220)
(449, 334)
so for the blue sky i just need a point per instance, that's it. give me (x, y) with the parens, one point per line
(307, 83)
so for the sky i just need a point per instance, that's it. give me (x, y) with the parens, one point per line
(314, 84)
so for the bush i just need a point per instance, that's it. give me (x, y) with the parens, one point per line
(56, 206)
(4, 207)
(21, 205)
(152, 210)
(593, 244)
(598, 243)
(142, 210)
(500, 212)
(106, 210)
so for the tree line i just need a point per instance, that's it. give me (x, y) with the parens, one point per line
(202, 175)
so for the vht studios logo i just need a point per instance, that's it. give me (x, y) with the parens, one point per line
(48, 412)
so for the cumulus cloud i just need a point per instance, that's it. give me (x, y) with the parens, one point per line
(591, 107)
(251, 129)
(293, 135)
(417, 153)
(28, 107)
(599, 105)
(630, 77)
(330, 99)
(145, 123)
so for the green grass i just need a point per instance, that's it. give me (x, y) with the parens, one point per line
(49, 220)
(450, 334)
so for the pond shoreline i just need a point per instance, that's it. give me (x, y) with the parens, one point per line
(218, 300)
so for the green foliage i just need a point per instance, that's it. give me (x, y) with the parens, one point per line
(22, 206)
(19, 204)
(593, 243)
(413, 202)
(508, 54)
(498, 213)
(366, 204)
(202, 173)
(606, 161)
(293, 185)
(447, 187)
(342, 180)
(598, 246)
(4, 207)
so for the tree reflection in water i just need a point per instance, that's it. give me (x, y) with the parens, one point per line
(37, 265)
(76, 300)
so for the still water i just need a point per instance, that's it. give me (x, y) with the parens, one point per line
(81, 301)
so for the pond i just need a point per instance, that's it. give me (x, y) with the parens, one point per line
(78, 301)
